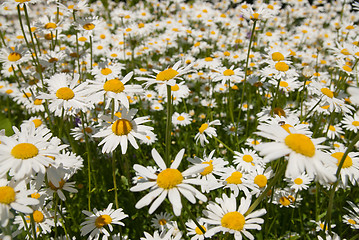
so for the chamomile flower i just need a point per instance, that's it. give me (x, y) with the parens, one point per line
(66, 95)
(351, 123)
(225, 75)
(206, 129)
(298, 183)
(285, 198)
(114, 90)
(122, 130)
(237, 181)
(97, 222)
(224, 216)
(182, 119)
(247, 160)
(27, 152)
(303, 152)
(167, 76)
(13, 195)
(14, 56)
(169, 182)
(334, 131)
(194, 231)
(161, 220)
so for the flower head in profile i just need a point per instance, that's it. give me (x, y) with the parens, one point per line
(97, 222)
(224, 216)
(169, 182)
(167, 76)
(206, 129)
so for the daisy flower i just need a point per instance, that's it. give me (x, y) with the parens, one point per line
(27, 152)
(354, 95)
(260, 178)
(161, 220)
(350, 168)
(182, 119)
(237, 181)
(107, 71)
(161, 236)
(13, 195)
(247, 160)
(353, 217)
(303, 152)
(224, 216)
(122, 130)
(96, 222)
(351, 123)
(169, 181)
(285, 198)
(206, 129)
(300, 182)
(214, 166)
(114, 90)
(66, 94)
(14, 56)
(168, 76)
(334, 131)
(227, 74)
(194, 231)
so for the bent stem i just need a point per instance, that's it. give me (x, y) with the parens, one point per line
(114, 178)
(334, 186)
(277, 176)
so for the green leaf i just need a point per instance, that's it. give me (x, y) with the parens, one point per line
(5, 123)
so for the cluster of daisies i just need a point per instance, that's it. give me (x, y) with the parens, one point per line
(259, 99)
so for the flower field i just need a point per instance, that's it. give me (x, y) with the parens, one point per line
(167, 120)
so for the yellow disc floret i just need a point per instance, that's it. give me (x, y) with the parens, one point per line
(103, 220)
(300, 144)
(121, 127)
(247, 158)
(233, 220)
(348, 162)
(228, 72)
(38, 216)
(298, 181)
(24, 151)
(277, 56)
(327, 92)
(88, 26)
(235, 178)
(114, 85)
(281, 66)
(261, 180)
(208, 169)
(199, 231)
(7, 195)
(106, 71)
(14, 56)
(169, 178)
(166, 75)
(65, 93)
(203, 127)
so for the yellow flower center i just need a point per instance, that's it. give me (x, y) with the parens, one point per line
(38, 102)
(14, 56)
(89, 26)
(348, 162)
(208, 59)
(208, 169)
(300, 144)
(261, 180)
(332, 128)
(355, 123)
(24, 151)
(233, 220)
(114, 85)
(247, 158)
(65, 93)
(162, 222)
(345, 51)
(166, 75)
(106, 71)
(279, 111)
(37, 122)
(283, 84)
(235, 178)
(38, 216)
(277, 56)
(121, 127)
(199, 231)
(7, 195)
(298, 181)
(169, 178)
(180, 118)
(52, 60)
(102, 220)
(351, 221)
(281, 66)
(327, 92)
(347, 68)
(35, 195)
(175, 88)
(228, 72)
(284, 201)
(50, 25)
(203, 127)
(255, 16)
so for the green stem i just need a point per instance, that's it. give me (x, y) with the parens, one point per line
(194, 219)
(25, 224)
(114, 178)
(229, 149)
(168, 125)
(277, 176)
(33, 226)
(334, 186)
